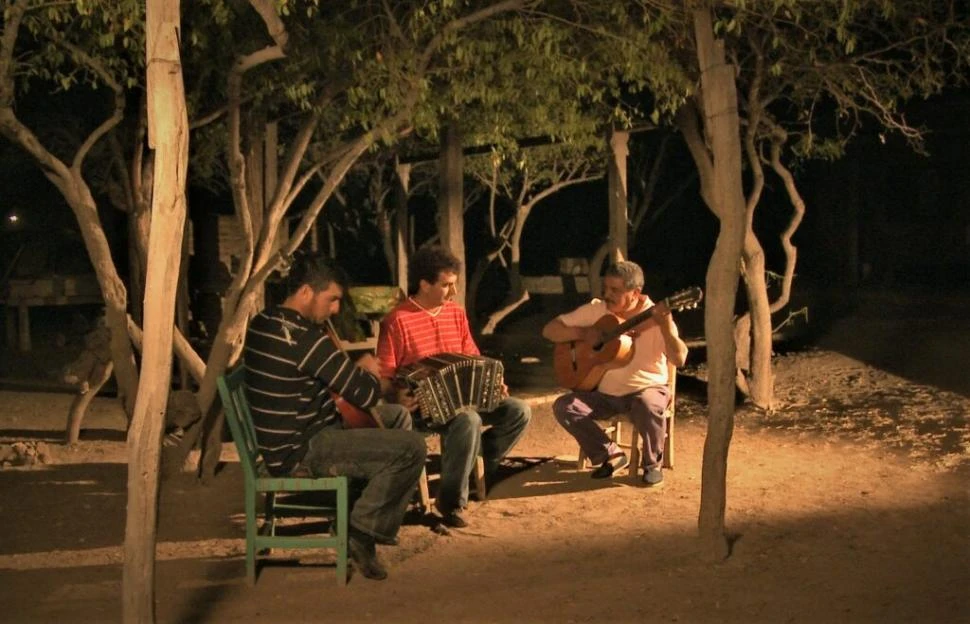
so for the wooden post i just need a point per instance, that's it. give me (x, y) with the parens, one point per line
(619, 151)
(451, 209)
(401, 225)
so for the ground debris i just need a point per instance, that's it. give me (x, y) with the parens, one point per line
(24, 454)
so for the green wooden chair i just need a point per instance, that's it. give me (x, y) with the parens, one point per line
(278, 504)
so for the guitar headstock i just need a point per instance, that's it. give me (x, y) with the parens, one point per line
(685, 299)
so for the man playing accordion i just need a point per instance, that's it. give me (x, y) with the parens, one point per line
(429, 323)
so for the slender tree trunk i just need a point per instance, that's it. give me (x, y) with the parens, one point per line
(79, 406)
(451, 212)
(719, 100)
(756, 327)
(798, 212)
(753, 329)
(168, 135)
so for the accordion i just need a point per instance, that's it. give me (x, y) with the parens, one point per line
(450, 382)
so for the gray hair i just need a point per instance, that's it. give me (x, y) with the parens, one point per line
(629, 272)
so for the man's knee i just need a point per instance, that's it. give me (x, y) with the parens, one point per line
(466, 419)
(561, 407)
(518, 412)
(398, 417)
(417, 446)
(463, 429)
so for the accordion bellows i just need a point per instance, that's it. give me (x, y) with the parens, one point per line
(447, 383)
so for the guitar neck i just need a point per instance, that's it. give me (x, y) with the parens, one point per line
(626, 326)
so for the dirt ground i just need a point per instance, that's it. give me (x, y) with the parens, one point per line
(850, 503)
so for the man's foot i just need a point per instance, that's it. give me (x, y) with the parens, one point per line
(388, 541)
(452, 518)
(653, 476)
(364, 554)
(615, 462)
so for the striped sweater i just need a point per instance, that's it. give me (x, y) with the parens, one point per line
(292, 366)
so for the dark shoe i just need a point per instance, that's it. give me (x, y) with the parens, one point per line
(611, 465)
(453, 519)
(364, 554)
(653, 476)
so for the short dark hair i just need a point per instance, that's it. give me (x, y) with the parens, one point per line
(316, 271)
(427, 263)
(629, 272)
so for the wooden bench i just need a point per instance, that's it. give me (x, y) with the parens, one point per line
(613, 428)
(277, 504)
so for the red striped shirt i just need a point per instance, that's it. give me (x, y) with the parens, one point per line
(409, 333)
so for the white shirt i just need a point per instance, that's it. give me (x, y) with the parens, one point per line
(648, 367)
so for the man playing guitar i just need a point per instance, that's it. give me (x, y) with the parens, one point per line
(634, 382)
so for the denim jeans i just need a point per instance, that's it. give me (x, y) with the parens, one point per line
(576, 412)
(462, 441)
(390, 460)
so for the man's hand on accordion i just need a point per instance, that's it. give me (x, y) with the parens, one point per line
(404, 396)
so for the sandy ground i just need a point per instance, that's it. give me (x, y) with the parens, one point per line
(850, 503)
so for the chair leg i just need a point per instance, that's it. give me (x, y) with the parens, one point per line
(251, 537)
(670, 414)
(581, 459)
(669, 443)
(343, 531)
(423, 490)
(480, 492)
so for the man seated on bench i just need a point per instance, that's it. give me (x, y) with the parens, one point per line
(639, 387)
(297, 377)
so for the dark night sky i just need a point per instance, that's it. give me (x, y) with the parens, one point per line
(912, 213)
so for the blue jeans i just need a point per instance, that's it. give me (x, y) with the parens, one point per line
(462, 441)
(390, 460)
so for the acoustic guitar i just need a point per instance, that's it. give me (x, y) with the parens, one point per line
(580, 365)
(352, 416)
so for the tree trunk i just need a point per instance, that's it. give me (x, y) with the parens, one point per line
(617, 189)
(139, 222)
(758, 359)
(451, 212)
(79, 406)
(753, 329)
(227, 344)
(718, 96)
(474, 282)
(168, 135)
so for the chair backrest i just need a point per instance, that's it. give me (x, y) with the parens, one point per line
(232, 391)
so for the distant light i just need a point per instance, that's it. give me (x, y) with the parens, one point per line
(13, 218)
